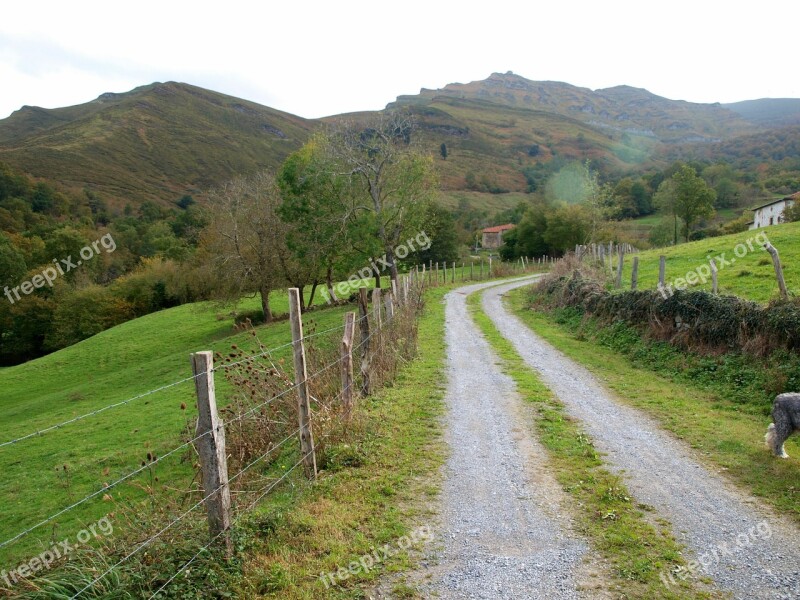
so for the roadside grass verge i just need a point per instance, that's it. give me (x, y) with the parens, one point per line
(688, 395)
(639, 548)
(372, 492)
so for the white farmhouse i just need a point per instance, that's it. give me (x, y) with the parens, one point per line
(772, 212)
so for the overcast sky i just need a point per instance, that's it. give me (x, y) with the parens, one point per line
(327, 57)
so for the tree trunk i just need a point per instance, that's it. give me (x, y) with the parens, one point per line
(393, 268)
(313, 291)
(265, 305)
(377, 276)
(329, 284)
(675, 233)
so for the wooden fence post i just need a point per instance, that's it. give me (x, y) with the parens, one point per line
(490, 268)
(714, 277)
(211, 449)
(472, 270)
(662, 271)
(389, 302)
(481, 268)
(635, 273)
(363, 318)
(620, 263)
(463, 271)
(301, 381)
(376, 307)
(453, 276)
(776, 262)
(347, 363)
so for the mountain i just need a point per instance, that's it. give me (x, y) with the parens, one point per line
(156, 142)
(505, 133)
(621, 109)
(768, 112)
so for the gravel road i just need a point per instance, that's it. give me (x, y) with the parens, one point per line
(502, 530)
(748, 550)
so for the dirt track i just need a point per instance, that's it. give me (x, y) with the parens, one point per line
(748, 550)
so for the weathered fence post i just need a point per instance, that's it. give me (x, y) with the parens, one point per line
(211, 449)
(444, 280)
(472, 270)
(481, 268)
(463, 271)
(347, 363)
(620, 263)
(714, 277)
(301, 381)
(363, 318)
(389, 302)
(776, 262)
(662, 271)
(453, 276)
(376, 307)
(490, 267)
(437, 273)
(635, 273)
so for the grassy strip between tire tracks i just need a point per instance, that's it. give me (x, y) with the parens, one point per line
(639, 547)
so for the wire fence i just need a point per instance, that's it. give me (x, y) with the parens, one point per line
(372, 339)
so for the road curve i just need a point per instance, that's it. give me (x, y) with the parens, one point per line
(745, 548)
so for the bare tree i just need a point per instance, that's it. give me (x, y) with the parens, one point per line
(245, 241)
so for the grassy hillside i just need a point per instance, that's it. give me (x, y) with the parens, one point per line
(156, 142)
(113, 366)
(750, 275)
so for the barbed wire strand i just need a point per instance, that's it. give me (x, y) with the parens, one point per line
(98, 411)
(168, 454)
(154, 537)
(266, 491)
(159, 389)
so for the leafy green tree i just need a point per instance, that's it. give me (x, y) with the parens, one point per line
(391, 180)
(440, 227)
(316, 200)
(791, 214)
(567, 226)
(531, 230)
(687, 198)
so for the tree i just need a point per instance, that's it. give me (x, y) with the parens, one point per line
(440, 226)
(443, 151)
(685, 197)
(567, 226)
(316, 200)
(245, 238)
(392, 180)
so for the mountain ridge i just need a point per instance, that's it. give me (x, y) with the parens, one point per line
(163, 140)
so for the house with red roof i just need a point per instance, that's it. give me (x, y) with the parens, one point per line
(492, 237)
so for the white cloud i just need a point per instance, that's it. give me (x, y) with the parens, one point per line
(320, 58)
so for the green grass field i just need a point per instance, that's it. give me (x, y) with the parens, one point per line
(113, 366)
(749, 274)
